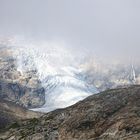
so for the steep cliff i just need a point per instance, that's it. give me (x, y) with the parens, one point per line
(22, 88)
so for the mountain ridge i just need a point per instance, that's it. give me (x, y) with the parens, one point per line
(111, 115)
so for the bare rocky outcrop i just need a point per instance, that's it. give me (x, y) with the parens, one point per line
(22, 88)
(110, 115)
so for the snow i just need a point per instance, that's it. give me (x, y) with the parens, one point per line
(58, 72)
(67, 76)
(64, 90)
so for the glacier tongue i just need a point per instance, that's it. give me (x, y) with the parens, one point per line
(64, 90)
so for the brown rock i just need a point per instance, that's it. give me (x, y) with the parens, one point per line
(110, 115)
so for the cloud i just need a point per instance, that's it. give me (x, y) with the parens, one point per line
(109, 29)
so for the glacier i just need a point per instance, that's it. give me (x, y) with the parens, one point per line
(57, 69)
(66, 75)
(62, 83)
(63, 90)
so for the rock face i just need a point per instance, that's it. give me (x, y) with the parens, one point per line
(22, 88)
(112, 76)
(110, 115)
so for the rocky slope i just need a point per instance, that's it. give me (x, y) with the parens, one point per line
(110, 115)
(22, 88)
(10, 112)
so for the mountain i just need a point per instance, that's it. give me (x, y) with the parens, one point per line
(112, 75)
(110, 115)
(44, 77)
(60, 81)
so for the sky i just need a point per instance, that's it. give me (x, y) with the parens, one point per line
(109, 29)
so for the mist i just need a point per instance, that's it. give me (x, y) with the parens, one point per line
(107, 29)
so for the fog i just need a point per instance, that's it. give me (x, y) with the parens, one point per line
(108, 29)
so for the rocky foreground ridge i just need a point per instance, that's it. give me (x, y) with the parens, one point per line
(110, 115)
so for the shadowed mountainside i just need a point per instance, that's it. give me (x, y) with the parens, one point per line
(10, 113)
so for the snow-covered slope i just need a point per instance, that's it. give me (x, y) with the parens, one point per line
(62, 84)
(57, 69)
(67, 77)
